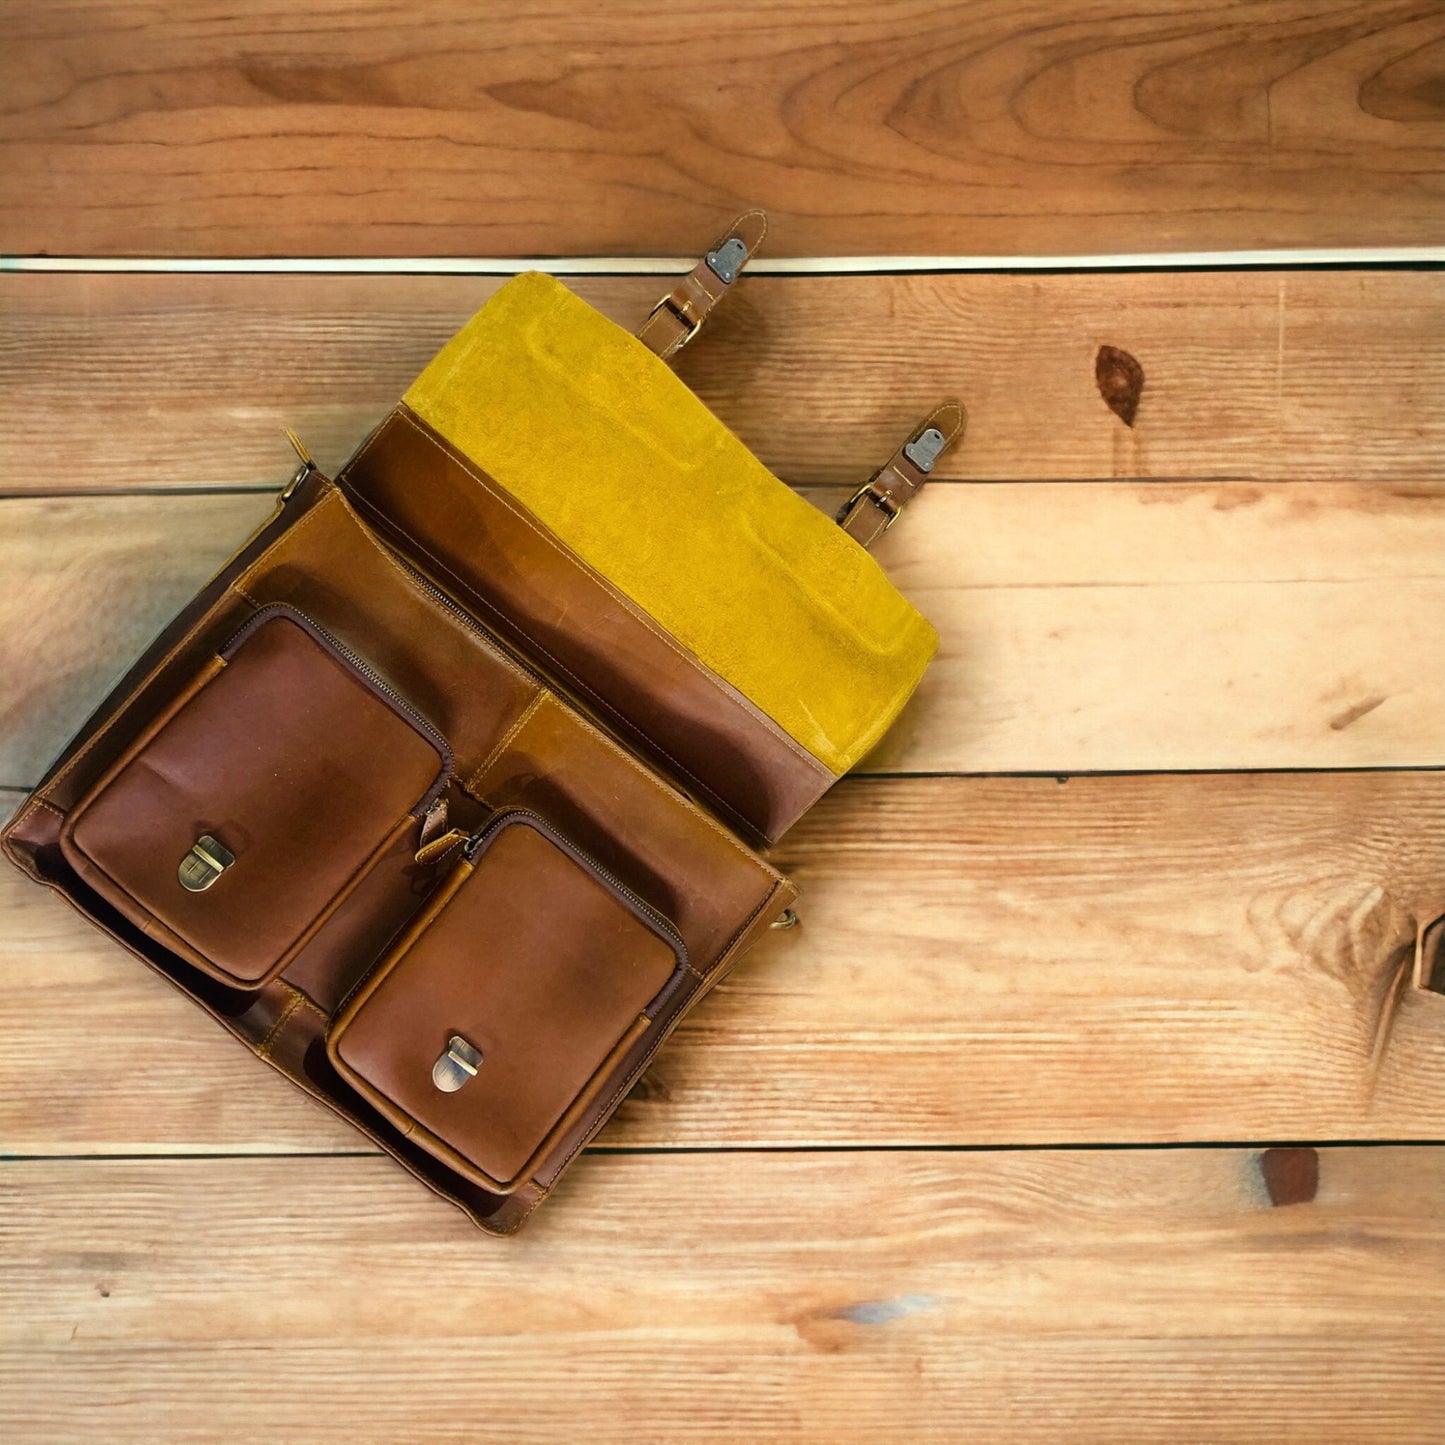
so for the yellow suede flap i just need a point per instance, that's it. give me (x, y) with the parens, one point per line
(606, 447)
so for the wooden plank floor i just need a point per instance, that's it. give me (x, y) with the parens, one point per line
(982, 960)
(989, 127)
(1101, 1095)
(1250, 376)
(1090, 1297)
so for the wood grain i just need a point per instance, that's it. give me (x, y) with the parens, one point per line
(831, 1299)
(186, 381)
(994, 127)
(89, 584)
(981, 961)
(1110, 626)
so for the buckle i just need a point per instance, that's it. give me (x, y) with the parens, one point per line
(691, 322)
(878, 497)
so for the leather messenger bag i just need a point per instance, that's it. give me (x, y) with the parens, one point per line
(448, 796)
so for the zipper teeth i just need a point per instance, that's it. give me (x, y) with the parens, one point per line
(385, 687)
(590, 864)
(493, 641)
(367, 671)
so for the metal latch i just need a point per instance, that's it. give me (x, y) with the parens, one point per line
(926, 448)
(727, 260)
(206, 861)
(458, 1064)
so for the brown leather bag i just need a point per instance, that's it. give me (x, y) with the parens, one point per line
(446, 794)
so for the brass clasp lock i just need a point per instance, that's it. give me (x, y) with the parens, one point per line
(206, 861)
(456, 1066)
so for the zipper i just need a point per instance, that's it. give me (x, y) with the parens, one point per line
(368, 673)
(610, 881)
(493, 640)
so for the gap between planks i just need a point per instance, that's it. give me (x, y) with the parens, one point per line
(1350, 257)
(203, 1154)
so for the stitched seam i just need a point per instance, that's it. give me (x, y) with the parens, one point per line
(526, 1214)
(291, 533)
(264, 1050)
(665, 788)
(724, 689)
(474, 782)
(185, 639)
(306, 1001)
(23, 816)
(370, 442)
(19, 821)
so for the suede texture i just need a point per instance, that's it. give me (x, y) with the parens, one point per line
(603, 444)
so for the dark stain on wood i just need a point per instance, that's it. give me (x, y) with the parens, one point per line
(1292, 1175)
(1432, 955)
(1410, 87)
(1120, 379)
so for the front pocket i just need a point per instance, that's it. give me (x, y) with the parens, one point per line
(499, 1015)
(238, 821)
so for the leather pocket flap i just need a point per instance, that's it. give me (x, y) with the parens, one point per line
(494, 1023)
(254, 803)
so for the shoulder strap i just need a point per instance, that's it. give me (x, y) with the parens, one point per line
(679, 316)
(875, 506)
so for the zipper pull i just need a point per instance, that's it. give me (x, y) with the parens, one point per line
(439, 847)
(303, 471)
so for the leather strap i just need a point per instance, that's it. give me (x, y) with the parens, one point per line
(875, 506)
(679, 316)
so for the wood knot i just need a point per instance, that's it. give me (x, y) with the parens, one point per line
(1292, 1176)
(1120, 380)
